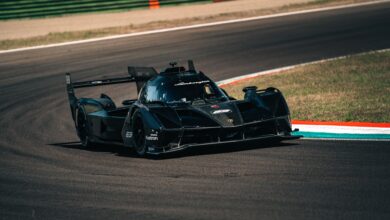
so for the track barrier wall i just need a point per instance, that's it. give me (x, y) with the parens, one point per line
(17, 9)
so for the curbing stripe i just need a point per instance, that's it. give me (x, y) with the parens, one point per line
(335, 123)
(342, 129)
(324, 135)
(345, 139)
(194, 26)
(319, 130)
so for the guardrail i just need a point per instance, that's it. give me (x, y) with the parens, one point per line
(16, 9)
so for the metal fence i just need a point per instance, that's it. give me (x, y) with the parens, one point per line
(15, 9)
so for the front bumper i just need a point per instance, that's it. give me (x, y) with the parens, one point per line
(176, 139)
(169, 149)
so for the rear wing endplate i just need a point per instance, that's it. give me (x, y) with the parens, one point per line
(70, 86)
(140, 75)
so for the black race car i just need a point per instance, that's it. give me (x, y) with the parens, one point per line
(176, 109)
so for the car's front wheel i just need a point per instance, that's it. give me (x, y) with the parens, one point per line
(139, 134)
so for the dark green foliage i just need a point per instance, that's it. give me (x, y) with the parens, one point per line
(17, 9)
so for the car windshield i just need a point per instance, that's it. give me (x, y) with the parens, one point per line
(183, 92)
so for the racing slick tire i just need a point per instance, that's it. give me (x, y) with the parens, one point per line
(139, 134)
(82, 127)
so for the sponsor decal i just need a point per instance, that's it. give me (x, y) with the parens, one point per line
(191, 83)
(129, 134)
(152, 137)
(221, 111)
(67, 79)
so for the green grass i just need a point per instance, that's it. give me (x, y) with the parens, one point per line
(356, 88)
(60, 37)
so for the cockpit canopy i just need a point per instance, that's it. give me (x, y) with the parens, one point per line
(181, 86)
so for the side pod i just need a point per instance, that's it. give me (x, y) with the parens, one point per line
(270, 99)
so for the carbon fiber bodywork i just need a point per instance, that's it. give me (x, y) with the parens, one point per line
(178, 109)
(170, 140)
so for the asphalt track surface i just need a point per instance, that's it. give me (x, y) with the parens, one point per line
(46, 174)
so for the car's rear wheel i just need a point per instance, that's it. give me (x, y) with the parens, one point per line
(139, 134)
(82, 128)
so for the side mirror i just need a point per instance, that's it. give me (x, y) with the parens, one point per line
(245, 89)
(128, 102)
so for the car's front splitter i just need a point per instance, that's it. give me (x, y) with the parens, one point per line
(152, 150)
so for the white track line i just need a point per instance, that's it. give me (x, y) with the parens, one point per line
(193, 26)
(282, 69)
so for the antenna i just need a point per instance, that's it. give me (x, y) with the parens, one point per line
(191, 66)
(173, 64)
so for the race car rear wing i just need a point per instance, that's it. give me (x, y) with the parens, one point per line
(139, 75)
(101, 82)
(70, 86)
